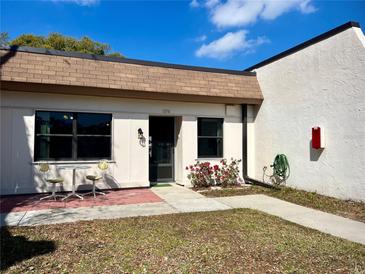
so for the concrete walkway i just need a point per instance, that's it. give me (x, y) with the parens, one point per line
(179, 199)
(312, 218)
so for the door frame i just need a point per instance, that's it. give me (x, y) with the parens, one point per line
(173, 179)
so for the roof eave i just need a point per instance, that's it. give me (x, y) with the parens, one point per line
(119, 93)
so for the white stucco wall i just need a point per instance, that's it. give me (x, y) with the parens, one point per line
(130, 160)
(321, 85)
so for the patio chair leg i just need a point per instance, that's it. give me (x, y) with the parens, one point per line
(46, 197)
(94, 191)
(53, 195)
(97, 191)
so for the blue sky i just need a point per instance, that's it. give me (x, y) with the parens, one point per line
(231, 34)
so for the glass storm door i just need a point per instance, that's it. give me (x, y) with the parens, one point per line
(161, 149)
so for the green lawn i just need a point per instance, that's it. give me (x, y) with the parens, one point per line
(232, 241)
(348, 209)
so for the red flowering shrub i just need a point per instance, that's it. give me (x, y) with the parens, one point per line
(202, 174)
(228, 174)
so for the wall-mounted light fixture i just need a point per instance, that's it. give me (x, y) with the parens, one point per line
(140, 133)
(142, 139)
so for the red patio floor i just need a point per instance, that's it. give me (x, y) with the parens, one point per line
(18, 203)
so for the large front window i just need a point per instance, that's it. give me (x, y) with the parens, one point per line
(210, 138)
(72, 136)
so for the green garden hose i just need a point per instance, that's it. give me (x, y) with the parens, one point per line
(281, 167)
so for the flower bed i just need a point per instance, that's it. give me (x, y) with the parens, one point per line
(203, 174)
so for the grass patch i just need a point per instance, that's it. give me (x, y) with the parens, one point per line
(348, 209)
(234, 241)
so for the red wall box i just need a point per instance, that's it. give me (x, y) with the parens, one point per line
(317, 138)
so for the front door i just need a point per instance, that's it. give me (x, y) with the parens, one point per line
(161, 148)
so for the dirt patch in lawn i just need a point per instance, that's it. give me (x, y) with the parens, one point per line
(232, 241)
(348, 209)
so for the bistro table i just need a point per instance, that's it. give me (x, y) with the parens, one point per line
(73, 167)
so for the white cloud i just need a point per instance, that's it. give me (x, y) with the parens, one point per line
(194, 4)
(307, 7)
(230, 44)
(211, 3)
(201, 38)
(235, 13)
(238, 13)
(85, 3)
(273, 9)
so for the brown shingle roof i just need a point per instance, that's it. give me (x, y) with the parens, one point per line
(126, 78)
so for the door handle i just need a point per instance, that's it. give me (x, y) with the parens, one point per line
(150, 146)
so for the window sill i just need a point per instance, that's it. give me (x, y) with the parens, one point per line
(71, 162)
(209, 158)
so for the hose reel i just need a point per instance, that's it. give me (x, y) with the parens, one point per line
(281, 170)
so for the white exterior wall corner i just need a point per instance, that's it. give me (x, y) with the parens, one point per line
(321, 85)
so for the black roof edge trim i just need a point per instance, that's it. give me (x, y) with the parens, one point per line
(305, 44)
(123, 60)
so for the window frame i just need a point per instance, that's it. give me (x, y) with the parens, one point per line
(74, 135)
(210, 137)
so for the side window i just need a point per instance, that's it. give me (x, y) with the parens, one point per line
(210, 137)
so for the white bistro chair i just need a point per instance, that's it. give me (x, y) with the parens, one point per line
(44, 168)
(102, 166)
